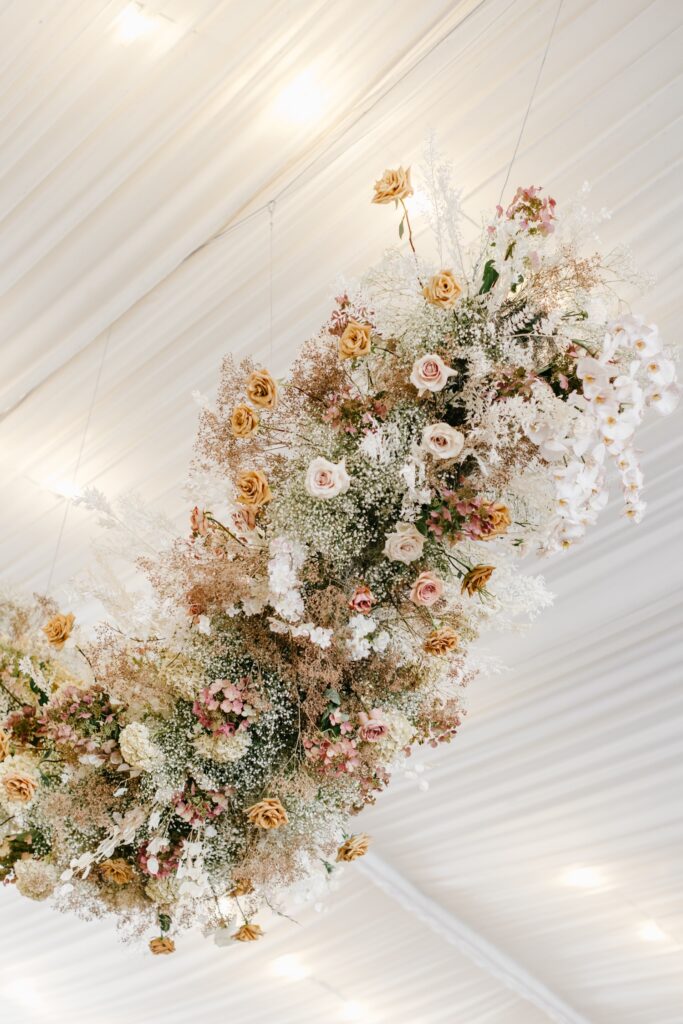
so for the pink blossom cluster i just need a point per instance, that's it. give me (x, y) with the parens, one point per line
(223, 709)
(462, 517)
(197, 806)
(533, 214)
(339, 755)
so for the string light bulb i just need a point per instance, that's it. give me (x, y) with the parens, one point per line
(302, 99)
(290, 967)
(583, 878)
(134, 22)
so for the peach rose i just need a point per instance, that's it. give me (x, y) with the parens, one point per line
(498, 519)
(325, 479)
(117, 871)
(354, 847)
(355, 341)
(373, 726)
(248, 932)
(262, 389)
(362, 600)
(244, 421)
(268, 813)
(393, 185)
(442, 289)
(430, 373)
(20, 787)
(58, 629)
(253, 489)
(162, 946)
(4, 744)
(442, 441)
(476, 579)
(241, 887)
(426, 590)
(441, 641)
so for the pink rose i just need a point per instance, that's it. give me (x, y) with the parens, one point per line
(373, 726)
(430, 373)
(362, 600)
(426, 590)
(325, 479)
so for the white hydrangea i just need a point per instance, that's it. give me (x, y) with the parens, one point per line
(137, 747)
(287, 557)
(35, 878)
(223, 749)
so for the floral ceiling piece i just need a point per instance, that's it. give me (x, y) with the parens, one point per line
(357, 527)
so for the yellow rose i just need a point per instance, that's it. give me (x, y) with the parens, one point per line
(442, 289)
(393, 185)
(262, 389)
(248, 932)
(117, 871)
(441, 641)
(354, 847)
(355, 341)
(268, 813)
(476, 579)
(243, 422)
(162, 946)
(58, 629)
(253, 489)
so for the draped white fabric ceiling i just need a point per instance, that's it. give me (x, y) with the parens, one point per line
(130, 135)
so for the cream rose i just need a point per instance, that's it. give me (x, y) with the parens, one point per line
(442, 441)
(405, 544)
(442, 289)
(326, 479)
(430, 373)
(426, 590)
(393, 185)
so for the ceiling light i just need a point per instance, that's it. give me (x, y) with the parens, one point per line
(583, 878)
(133, 23)
(302, 99)
(63, 488)
(352, 1010)
(290, 967)
(651, 932)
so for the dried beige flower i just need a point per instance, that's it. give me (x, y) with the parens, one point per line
(476, 579)
(441, 641)
(253, 489)
(58, 629)
(442, 289)
(262, 389)
(354, 847)
(268, 813)
(117, 871)
(393, 185)
(244, 421)
(4, 744)
(241, 887)
(162, 945)
(19, 784)
(248, 932)
(355, 341)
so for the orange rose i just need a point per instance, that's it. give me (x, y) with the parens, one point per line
(244, 421)
(476, 579)
(442, 289)
(441, 641)
(117, 871)
(248, 932)
(354, 847)
(355, 341)
(58, 629)
(162, 946)
(268, 813)
(253, 489)
(262, 389)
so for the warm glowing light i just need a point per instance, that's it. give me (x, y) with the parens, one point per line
(290, 967)
(63, 488)
(583, 878)
(302, 100)
(353, 1011)
(651, 932)
(134, 23)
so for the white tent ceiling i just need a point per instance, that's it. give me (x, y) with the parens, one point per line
(123, 153)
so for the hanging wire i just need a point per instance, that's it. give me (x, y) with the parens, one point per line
(271, 215)
(531, 100)
(68, 500)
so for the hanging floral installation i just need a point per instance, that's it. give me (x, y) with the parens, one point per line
(357, 527)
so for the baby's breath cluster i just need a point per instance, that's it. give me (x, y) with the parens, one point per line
(357, 526)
